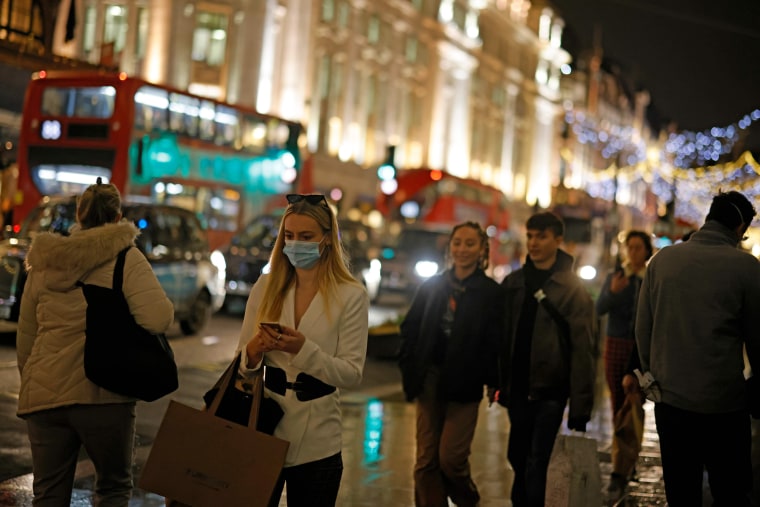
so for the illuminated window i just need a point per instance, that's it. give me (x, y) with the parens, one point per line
(115, 27)
(254, 134)
(343, 14)
(373, 30)
(183, 114)
(79, 102)
(142, 32)
(151, 105)
(544, 24)
(556, 35)
(210, 38)
(21, 21)
(88, 37)
(411, 49)
(328, 10)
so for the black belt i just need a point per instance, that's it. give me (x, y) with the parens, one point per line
(306, 387)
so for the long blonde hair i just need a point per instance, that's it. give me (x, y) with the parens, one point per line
(332, 267)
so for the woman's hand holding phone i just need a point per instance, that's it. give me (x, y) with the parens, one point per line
(282, 338)
(274, 326)
(263, 341)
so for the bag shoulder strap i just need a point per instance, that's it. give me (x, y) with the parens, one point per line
(118, 270)
(559, 319)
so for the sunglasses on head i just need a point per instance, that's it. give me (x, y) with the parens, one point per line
(313, 199)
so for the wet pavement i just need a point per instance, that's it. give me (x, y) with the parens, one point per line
(378, 456)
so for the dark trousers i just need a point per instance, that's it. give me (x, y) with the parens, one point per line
(534, 427)
(313, 484)
(691, 442)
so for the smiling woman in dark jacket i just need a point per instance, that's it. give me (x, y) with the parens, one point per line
(448, 354)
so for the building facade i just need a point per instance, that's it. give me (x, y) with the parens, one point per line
(467, 86)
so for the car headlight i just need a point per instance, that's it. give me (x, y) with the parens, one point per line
(217, 259)
(426, 269)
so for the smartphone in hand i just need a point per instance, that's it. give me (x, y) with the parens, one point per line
(274, 326)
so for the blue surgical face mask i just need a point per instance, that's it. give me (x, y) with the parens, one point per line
(302, 254)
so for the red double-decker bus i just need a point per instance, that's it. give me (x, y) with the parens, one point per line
(431, 196)
(154, 143)
(436, 200)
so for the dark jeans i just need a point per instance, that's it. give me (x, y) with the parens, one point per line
(534, 427)
(691, 442)
(311, 484)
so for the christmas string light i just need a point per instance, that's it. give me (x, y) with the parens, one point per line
(687, 167)
(696, 187)
(613, 142)
(689, 148)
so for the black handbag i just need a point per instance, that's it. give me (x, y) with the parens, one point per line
(119, 354)
(238, 398)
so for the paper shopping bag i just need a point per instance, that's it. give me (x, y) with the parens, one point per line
(573, 478)
(628, 431)
(202, 460)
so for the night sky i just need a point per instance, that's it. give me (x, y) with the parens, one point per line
(700, 60)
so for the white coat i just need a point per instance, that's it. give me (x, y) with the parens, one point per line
(334, 352)
(51, 327)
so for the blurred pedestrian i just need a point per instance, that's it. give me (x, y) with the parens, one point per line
(699, 304)
(63, 409)
(547, 355)
(617, 299)
(448, 355)
(316, 345)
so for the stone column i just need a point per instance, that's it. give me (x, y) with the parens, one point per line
(539, 183)
(295, 65)
(506, 174)
(245, 52)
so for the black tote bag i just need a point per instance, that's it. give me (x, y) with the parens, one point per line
(119, 354)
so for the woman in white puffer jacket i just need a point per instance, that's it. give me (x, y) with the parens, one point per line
(62, 408)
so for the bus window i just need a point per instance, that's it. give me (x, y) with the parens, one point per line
(207, 120)
(227, 126)
(53, 102)
(67, 170)
(80, 102)
(183, 114)
(254, 134)
(280, 133)
(220, 206)
(151, 106)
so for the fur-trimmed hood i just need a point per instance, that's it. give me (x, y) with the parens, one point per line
(66, 259)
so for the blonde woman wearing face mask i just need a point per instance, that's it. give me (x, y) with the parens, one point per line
(315, 345)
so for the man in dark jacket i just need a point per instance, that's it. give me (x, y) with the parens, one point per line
(698, 306)
(547, 356)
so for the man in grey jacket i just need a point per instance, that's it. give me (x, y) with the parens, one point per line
(699, 304)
